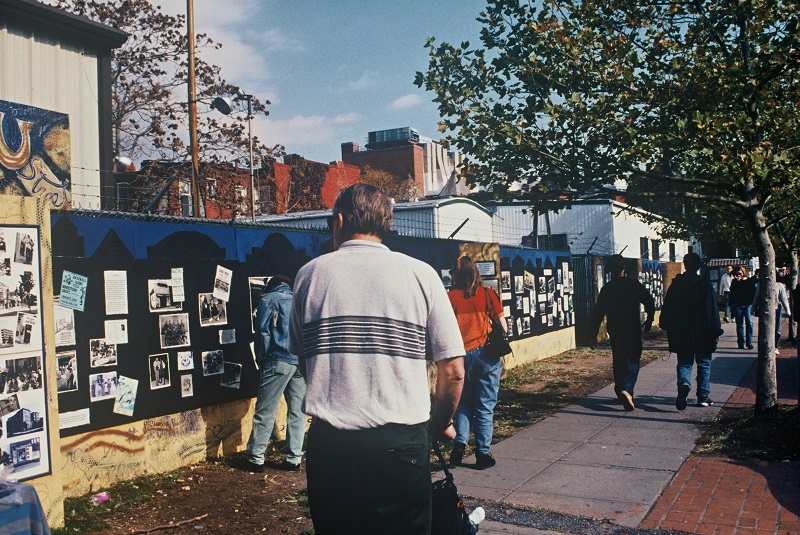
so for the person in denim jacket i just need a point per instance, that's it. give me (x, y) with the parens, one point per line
(280, 375)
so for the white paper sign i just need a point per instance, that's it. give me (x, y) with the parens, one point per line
(73, 419)
(116, 292)
(117, 331)
(178, 293)
(65, 326)
(222, 283)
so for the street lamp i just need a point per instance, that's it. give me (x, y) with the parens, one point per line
(224, 106)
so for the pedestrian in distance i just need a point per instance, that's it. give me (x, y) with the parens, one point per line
(691, 318)
(743, 291)
(279, 376)
(620, 302)
(781, 310)
(725, 292)
(364, 322)
(474, 305)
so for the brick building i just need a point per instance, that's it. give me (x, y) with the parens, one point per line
(403, 153)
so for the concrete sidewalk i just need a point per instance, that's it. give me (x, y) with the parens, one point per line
(595, 460)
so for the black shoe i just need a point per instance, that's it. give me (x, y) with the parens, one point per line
(243, 464)
(741, 346)
(457, 455)
(726, 320)
(683, 393)
(286, 466)
(705, 402)
(627, 400)
(749, 346)
(484, 461)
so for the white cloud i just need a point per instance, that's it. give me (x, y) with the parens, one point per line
(406, 101)
(346, 118)
(300, 130)
(367, 80)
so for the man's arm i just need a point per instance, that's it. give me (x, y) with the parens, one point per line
(449, 383)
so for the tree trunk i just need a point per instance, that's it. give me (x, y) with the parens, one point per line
(766, 380)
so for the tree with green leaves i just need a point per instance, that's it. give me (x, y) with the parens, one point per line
(681, 99)
(149, 102)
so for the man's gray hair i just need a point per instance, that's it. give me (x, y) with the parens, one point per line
(365, 210)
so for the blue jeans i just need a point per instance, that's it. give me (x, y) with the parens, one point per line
(278, 378)
(726, 303)
(744, 325)
(685, 362)
(626, 352)
(478, 399)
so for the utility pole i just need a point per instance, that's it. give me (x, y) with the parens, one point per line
(196, 201)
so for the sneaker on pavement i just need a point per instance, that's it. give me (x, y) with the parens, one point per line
(726, 320)
(244, 464)
(484, 461)
(705, 402)
(749, 346)
(627, 400)
(457, 455)
(680, 401)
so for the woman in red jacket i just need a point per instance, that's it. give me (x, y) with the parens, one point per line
(473, 303)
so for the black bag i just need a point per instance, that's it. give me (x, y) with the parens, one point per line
(496, 345)
(450, 517)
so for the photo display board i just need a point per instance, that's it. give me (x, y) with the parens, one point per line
(24, 443)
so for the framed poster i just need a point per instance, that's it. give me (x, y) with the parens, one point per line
(24, 443)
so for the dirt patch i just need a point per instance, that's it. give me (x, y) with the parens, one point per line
(214, 498)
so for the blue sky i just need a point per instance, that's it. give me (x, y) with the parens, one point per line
(332, 70)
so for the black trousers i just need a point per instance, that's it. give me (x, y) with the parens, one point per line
(368, 482)
(626, 352)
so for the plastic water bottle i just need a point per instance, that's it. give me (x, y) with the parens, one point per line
(100, 497)
(477, 515)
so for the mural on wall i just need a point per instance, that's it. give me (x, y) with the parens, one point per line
(24, 445)
(652, 276)
(35, 153)
(536, 290)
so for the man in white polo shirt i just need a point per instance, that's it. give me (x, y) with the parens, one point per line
(364, 321)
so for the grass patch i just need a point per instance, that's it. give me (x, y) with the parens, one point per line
(740, 434)
(80, 516)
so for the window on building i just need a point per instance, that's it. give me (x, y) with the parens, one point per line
(672, 255)
(187, 208)
(644, 248)
(656, 246)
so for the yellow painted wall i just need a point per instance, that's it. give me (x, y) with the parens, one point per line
(540, 347)
(15, 210)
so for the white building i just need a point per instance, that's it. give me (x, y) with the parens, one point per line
(600, 227)
(455, 218)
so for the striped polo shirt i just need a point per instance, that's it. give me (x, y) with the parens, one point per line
(365, 319)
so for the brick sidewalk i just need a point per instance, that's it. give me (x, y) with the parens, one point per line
(721, 496)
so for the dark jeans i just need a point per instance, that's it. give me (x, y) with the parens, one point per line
(369, 481)
(744, 325)
(626, 352)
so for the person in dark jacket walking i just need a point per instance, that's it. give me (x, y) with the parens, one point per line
(743, 291)
(620, 301)
(691, 318)
(279, 376)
